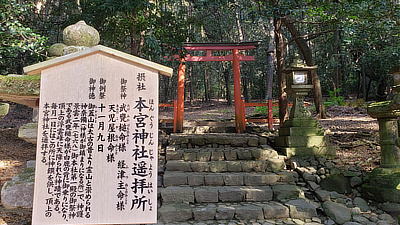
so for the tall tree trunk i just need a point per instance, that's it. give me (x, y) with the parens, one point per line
(270, 61)
(270, 58)
(336, 59)
(227, 84)
(166, 88)
(190, 75)
(280, 65)
(205, 77)
(245, 82)
(246, 89)
(238, 23)
(336, 52)
(307, 53)
(364, 82)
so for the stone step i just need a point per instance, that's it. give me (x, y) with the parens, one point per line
(202, 127)
(180, 212)
(178, 178)
(216, 140)
(219, 154)
(269, 165)
(231, 194)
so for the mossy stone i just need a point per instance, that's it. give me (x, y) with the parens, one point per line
(56, 49)
(72, 49)
(383, 186)
(384, 109)
(337, 183)
(4, 107)
(81, 34)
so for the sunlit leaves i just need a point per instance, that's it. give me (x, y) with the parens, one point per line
(19, 44)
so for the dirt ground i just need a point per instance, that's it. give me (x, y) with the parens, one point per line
(351, 130)
(14, 153)
(354, 133)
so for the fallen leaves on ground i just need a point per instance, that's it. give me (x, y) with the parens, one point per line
(355, 135)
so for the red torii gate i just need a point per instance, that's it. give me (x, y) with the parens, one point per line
(235, 57)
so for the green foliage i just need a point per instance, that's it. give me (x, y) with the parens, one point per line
(20, 45)
(349, 38)
(263, 110)
(140, 27)
(334, 99)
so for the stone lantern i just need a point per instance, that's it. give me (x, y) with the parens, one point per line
(395, 71)
(298, 86)
(384, 185)
(301, 135)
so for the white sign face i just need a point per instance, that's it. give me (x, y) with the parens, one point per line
(97, 143)
(299, 78)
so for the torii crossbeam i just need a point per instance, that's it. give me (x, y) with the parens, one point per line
(235, 57)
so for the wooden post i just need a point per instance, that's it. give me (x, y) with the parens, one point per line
(243, 113)
(181, 97)
(175, 114)
(270, 115)
(239, 118)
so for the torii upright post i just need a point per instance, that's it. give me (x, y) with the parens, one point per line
(181, 97)
(240, 126)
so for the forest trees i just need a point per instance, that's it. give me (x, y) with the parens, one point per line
(20, 45)
(353, 42)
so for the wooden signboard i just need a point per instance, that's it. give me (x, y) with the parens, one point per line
(96, 160)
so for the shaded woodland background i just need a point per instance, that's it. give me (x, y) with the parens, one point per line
(353, 42)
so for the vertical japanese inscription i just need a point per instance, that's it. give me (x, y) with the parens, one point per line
(118, 133)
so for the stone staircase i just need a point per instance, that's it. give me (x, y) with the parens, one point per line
(227, 177)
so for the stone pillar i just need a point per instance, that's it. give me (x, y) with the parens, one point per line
(390, 142)
(384, 184)
(299, 109)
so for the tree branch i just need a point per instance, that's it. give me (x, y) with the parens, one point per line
(309, 36)
(310, 22)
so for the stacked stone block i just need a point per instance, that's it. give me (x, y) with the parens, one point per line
(224, 177)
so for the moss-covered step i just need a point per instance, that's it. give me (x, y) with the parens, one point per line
(4, 107)
(22, 89)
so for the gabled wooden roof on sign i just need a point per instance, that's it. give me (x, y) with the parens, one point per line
(37, 68)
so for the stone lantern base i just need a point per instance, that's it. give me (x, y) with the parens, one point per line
(301, 134)
(303, 137)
